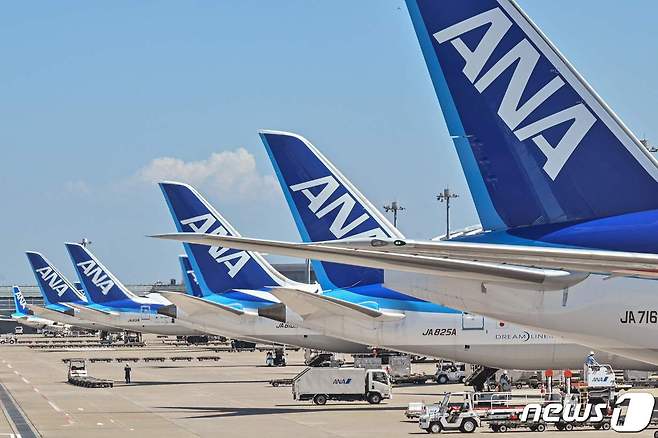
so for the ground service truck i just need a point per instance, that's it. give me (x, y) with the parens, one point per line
(346, 384)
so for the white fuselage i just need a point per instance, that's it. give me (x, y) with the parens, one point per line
(63, 318)
(36, 322)
(467, 338)
(617, 315)
(251, 327)
(143, 322)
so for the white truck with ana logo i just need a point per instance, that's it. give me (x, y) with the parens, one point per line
(346, 384)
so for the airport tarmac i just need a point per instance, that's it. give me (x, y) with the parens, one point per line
(228, 398)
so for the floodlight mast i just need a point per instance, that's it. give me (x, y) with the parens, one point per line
(394, 207)
(446, 196)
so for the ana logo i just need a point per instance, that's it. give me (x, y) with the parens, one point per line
(52, 280)
(97, 276)
(20, 298)
(342, 381)
(339, 228)
(203, 224)
(524, 57)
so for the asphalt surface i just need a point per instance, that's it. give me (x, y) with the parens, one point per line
(228, 398)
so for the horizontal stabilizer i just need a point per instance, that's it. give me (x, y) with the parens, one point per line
(197, 307)
(91, 313)
(312, 305)
(442, 267)
(44, 312)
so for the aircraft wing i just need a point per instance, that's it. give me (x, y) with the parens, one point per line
(573, 259)
(197, 307)
(439, 266)
(310, 305)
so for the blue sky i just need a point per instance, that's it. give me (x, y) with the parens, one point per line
(100, 98)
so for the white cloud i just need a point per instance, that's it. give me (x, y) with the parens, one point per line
(77, 187)
(229, 174)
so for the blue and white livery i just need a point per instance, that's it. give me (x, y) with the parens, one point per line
(24, 316)
(565, 192)
(109, 302)
(234, 285)
(58, 292)
(327, 206)
(189, 277)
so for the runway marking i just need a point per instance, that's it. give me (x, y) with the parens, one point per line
(99, 424)
(15, 415)
(54, 406)
(35, 390)
(25, 380)
(9, 365)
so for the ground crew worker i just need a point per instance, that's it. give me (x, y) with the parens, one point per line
(126, 371)
(591, 360)
(505, 382)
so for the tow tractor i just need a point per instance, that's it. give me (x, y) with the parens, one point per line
(78, 375)
(454, 412)
(77, 369)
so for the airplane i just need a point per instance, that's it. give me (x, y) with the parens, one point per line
(192, 286)
(234, 285)
(565, 192)
(24, 316)
(57, 291)
(111, 303)
(355, 304)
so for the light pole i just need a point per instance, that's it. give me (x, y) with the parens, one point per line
(446, 196)
(394, 207)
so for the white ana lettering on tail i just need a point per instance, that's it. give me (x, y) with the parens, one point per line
(96, 275)
(339, 228)
(524, 57)
(52, 280)
(20, 298)
(202, 224)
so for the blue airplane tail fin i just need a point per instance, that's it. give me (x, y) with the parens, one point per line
(325, 205)
(218, 269)
(19, 301)
(54, 287)
(189, 277)
(99, 283)
(537, 144)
